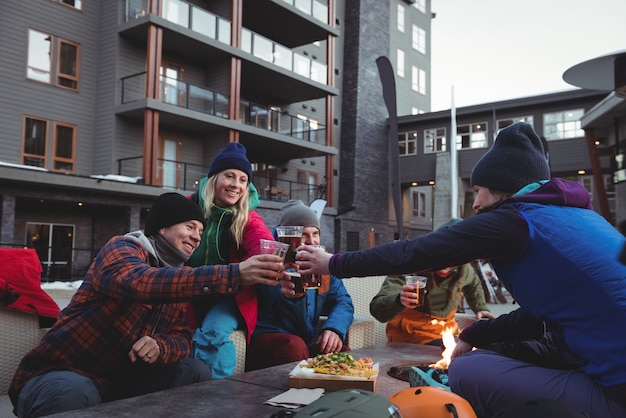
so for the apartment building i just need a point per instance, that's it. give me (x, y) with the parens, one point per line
(426, 160)
(107, 104)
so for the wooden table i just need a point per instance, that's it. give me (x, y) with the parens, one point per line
(242, 395)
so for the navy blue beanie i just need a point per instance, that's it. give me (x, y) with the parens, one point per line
(169, 209)
(517, 158)
(233, 156)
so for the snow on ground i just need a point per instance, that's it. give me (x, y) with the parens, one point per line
(61, 285)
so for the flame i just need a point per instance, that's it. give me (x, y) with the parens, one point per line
(447, 335)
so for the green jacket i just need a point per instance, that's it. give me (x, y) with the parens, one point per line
(441, 299)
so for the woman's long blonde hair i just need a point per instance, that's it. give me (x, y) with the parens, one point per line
(239, 210)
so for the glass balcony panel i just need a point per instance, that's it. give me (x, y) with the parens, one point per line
(221, 105)
(223, 31)
(303, 5)
(318, 72)
(201, 99)
(203, 22)
(283, 57)
(177, 12)
(301, 65)
(246, 40)
(136, 9)
(262, 48)
(244, 112)
(320, 11)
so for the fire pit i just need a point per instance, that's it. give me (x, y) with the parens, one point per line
(428, 374)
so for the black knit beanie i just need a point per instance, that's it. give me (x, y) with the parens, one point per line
(233, 156)
(170, 209)
(296, 213)
(517, 158)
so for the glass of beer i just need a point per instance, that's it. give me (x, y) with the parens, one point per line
(312, 281)
(274, 247)
(292, 235)
(419, 284)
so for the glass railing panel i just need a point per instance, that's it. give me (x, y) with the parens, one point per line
(301, 65)
(176, 11)
(221, 105)
(303, 5)
(318, 72)
(320, 11)
(133, 88)
(246, 40)
(244, 112)
(201, 99)
(223, 31)
(283, 57)
(203, 22)
(136, 9)
(262, 48)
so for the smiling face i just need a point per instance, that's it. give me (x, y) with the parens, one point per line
(185, 235)
(230, 186)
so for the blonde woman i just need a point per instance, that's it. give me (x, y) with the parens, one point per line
(227, 198)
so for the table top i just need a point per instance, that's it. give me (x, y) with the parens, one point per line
(242, 395)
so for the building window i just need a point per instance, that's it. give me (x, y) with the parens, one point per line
(400, 63)
(434, 140)
(419, 204)
(76, 4)
(35, 135)
(401, 18)
(418, 80)
(407, 141)
(563, 125)
(36, 145)
(64, 144)
(53, 243)
(471, 136)
(420, 5)
(418, 39)
(42, 54)
(503, 123)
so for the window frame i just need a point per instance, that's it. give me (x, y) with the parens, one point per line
(407, 142)
(473, 141)
(565, 132)
(43, 158)
(441, 141)
(55, 158)
(418, 204)
(56, 60)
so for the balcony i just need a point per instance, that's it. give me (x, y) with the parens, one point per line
(202, 22)
(269, 133)
(180, 175)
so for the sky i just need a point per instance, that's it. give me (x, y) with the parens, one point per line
(492, 50)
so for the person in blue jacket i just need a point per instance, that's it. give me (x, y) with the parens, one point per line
(556, 256)
(287, 326)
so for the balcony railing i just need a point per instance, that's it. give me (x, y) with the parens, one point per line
(201, 99)
(206, 23)
(181, 175)
(315, 8)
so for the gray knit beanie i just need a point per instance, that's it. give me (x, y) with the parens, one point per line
(517, 158)
(296, 213)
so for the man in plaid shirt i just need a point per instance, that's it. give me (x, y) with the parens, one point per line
(125, 331)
